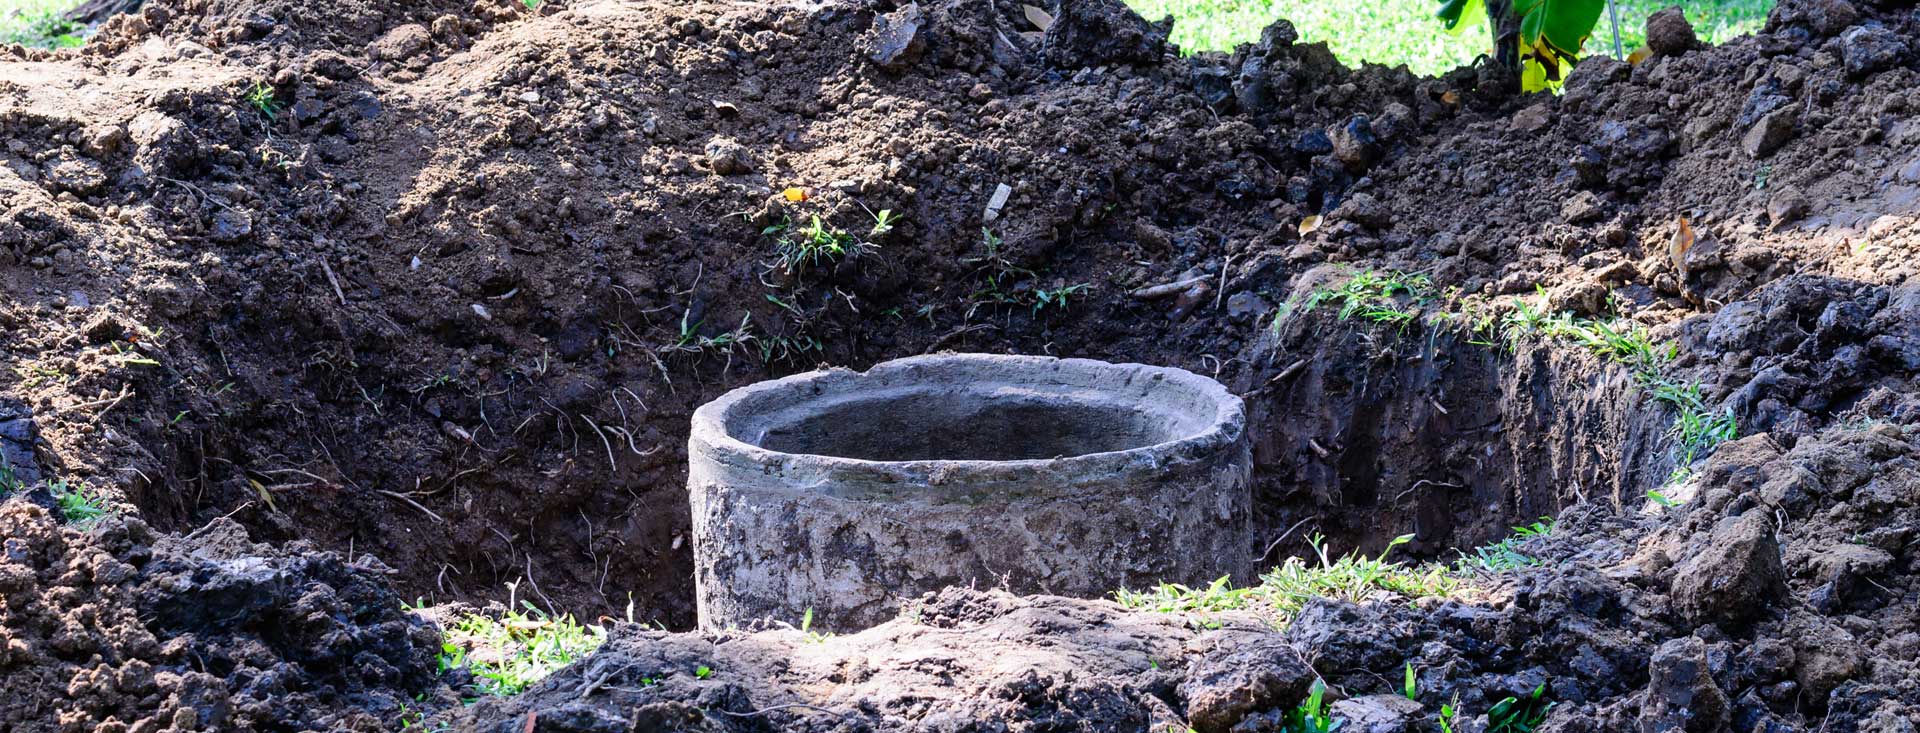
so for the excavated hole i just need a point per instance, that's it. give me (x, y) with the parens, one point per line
(1387, 431)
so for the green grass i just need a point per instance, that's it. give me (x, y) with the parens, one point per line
(1393, 32)
(37, 23)
(1505, 555)
(510, 651)
(1398, 298)
(78, 503)
(1285, 590)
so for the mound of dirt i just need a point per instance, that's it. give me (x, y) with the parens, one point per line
(118, 628)
(442, 283)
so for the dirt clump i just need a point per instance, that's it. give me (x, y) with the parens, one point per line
(119, 627)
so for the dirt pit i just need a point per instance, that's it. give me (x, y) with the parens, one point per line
(289, 287)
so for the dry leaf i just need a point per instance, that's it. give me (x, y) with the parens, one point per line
(1309, 224)
(265, 495)
(1678, 246)
(1038, 17)
(1450, 98)
(795, 194)
(1639, 54)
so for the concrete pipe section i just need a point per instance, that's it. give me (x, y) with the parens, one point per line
(846, 492)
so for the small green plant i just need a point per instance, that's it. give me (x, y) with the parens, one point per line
(1519, 715)
(414, 721)
(1661, 499)
(9, 479)
(78, 503)
(509, 651)
(1380, 296)
(1056, 297)
(1311, 715)
(1449, 714)
(702, 672)
(817, 243)
(1505, 555)
(1410, 686)
(806, 629)
(691, 340)
(533, 4)
(883, 223)
(263, 100)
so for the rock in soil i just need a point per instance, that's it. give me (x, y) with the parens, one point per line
(1734, 576)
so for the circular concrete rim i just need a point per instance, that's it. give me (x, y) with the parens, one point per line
(859, 478)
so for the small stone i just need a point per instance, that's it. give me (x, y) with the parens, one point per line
(1354, 143)
(482, 312)
(1682, 695)
(726, 157)
(1735, 576)
(1771, 132)
(1785, 206)
(1363, 209)
(1669, 33)
(1583, 208)
(1870, 48)
(1376, 714)
(530, 97)
(895, 40)
(1246, 303)
(232, 225)
(1239, 678)
(1530, 119)
(82, 176)
(400, 43)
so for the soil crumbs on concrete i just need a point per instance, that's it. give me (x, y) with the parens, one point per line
(289, 286)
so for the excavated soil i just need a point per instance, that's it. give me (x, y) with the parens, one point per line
(446, 292)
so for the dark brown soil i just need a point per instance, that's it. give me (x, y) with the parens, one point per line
(449, 298)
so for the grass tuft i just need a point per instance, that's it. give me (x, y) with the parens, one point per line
(78, 503)
(1285, 590)
(510, 651)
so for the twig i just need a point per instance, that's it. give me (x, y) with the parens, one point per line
(1222, 294)
(1315, 445)
(1282, 538)
(1166, 289)
(612, 465)
(957, 333)
(411, 502)
(124, 394)
(195, 190)
(324, 267)
(802, 706)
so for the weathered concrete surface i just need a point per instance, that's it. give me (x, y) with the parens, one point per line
(846, 492)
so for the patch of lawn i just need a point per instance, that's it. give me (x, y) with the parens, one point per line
(1393, 32)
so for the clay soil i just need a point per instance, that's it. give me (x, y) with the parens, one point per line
(341, 302)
